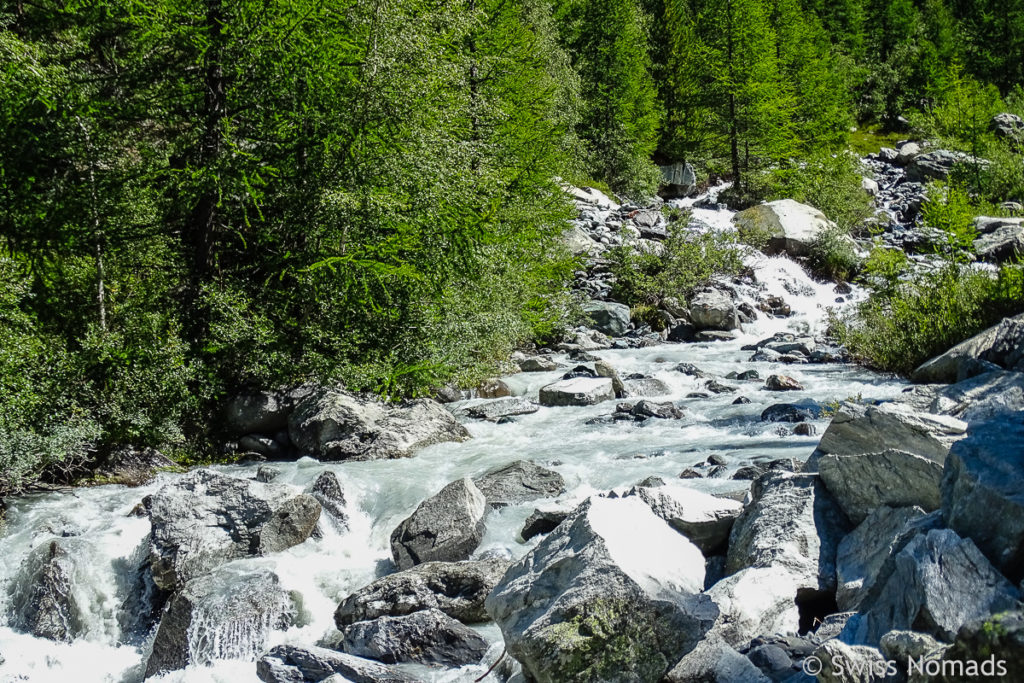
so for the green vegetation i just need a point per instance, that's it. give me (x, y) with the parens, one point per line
(689, 259)
(200, 197)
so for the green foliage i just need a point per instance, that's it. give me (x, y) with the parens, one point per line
(833, 256)
(829, 182)
(899, 328)
(949, 210)
(690, 259)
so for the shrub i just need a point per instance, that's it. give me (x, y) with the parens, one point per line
(689, 260)
(899, 328)
(949, 210)
(830, 183)
(833, 255)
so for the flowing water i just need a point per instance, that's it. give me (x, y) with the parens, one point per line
(322, 571)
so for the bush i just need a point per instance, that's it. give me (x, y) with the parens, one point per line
(908, 322)
(690, 259)
(830, 183)
(949, 210)
(833, 256)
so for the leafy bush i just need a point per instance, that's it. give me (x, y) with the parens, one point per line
(911, 321)
(833, 255)
(949, 210)
(830, 183)
(689, 260)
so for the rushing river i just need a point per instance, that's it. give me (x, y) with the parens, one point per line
(322, 571)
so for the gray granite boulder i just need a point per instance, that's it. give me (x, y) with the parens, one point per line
(425, 637)
(446, 527)
(519, 482)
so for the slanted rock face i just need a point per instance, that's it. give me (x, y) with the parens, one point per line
(612, 594)
(1002, 635)
(44, 601)
(456, 588)
(220, 616)
(704, 519)
(425, 637)
(793, 523)
(862, 483)
(866, 553)
(755, 601)
(519, 482)
(842, 663)
(335, 425)
(714, 310)
(791, 227)
(446, 527)
(289, 664)
(263, 413)
(537, 364)
(715, 661)
(1003, 241)
(983, 397)
(579, 391)
(858, 429)
(940, 582)
(205, 519)
(949, 367)
(609, 317)
(983, 491)
(327, 491)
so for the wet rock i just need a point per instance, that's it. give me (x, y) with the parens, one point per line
(717, 387)
(707, 336)
(542, 522)
(446, 527)
(682, 333)
(205, 519)
(580, 371)
(645, 409)
(782, 383)
(335, 425)
(581, 391)
(677, 180)
(983, 491)
(448, 394)
(290, 664)
(862, 483)
(790, 227)
(426, 637)
(133, 466)
(221, 616)
(456, 588)
(690, 473)
(748, 473)
(704, 519)
(262, 445)
(741, 400)
(791, 412)
(45, 594)
(595, 601)
(327, 490)
(493, 388)
(519, 482)
(940, 582)
(857, 429)
(267, 473)
(691, 370)
(609, 318)
(714, 310)
(805, 429)
(502, 407)
(867, 553)
(537, 364)
(604, 369)
(792, 523)
(646, 386)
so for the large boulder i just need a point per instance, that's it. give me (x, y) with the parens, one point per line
(939, 583)
(336, 425)
(580, 243)
(866, 553)
(789, 226)
(446, 527)
(862, 483)
(327, 490)
(677, 180)
(609, 317)
(1008, 127)
(598, 601)
(456, 588)
(792, 523)
(856, 429)
(424, 637)
(952, 365)
(206, 519)
(290, 664)
(983, 491)
(714, 310)
(935, 165)
(578, 391)
(1004, 241)
(46, 597)
(224, 615)
(842, 663)
(519, 482)
(755, 601)
(264, 412)
(704, 519)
